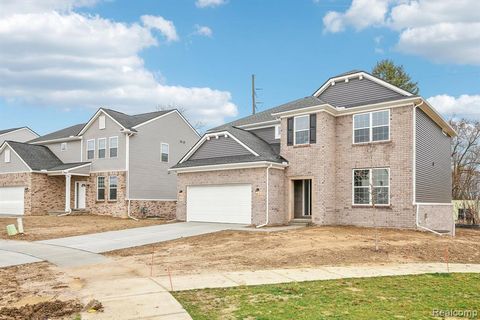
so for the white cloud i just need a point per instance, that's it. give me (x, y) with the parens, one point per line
(209, 3)
(37, 6)
(361, 14)
(166, 27)
(441, 30)
(203, 31)
(71, 60)
(462, 106)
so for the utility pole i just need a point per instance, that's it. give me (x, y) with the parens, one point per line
(254, 103)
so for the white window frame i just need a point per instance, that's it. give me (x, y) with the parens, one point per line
(8, 156)
(110, 188)
(278, 131)
(63, 146)
(91, 140)
(161, 152)
(104, 188)
(98, 150)
(370, 127)
(295, 130)
(110, 147)
(102, 122)
(370, 186)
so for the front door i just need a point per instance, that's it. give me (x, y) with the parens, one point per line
(80, 194)
(302, 199)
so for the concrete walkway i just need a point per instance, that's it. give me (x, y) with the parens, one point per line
(121, 239)
(19, 252)
(249, 278)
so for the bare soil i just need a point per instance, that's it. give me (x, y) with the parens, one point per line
(308, 247)
(37, 291)
(50, 227)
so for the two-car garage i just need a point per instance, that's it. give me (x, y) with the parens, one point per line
(227, 203)
(12, 200)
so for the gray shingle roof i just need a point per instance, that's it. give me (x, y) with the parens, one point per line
(61, 134)
(9, 130)
(266, 115)
(67, 166)
(129, 121)
(264, 150)
(37, 157)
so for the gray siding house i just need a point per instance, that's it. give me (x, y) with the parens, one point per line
(358, 151)
(22, 134)
(115, 164)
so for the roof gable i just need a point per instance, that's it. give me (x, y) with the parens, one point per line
(65, 133)
(36, 157)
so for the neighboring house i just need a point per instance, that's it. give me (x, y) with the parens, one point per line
(359, 151)
(116, 164)
(17, 134)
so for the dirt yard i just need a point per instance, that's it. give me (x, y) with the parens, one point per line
(308, 247)
(49, 227)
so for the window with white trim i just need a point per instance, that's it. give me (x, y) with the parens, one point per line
(278, 131)
(301, 129)
(90, 149)
(113, 187)
(371, 186)
(63, 146)
(371, 127)
(101, 122)
(165, 152)
(102, 148)
(7, 156)
(113, 147)
(100, 188)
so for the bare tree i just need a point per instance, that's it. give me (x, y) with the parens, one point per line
(197, 125)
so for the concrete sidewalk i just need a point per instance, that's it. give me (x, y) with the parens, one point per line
(248, 278)
(121, 239)
(20, 252)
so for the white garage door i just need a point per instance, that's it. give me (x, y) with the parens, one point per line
(220, 203)
(12, 200)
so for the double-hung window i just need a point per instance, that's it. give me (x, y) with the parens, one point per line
(90, 149)
(113, 147)
(371, 186)
(371, 127)
(165, 152)
(100, 188)
(301, 129)
(113, 187)
(102, 148)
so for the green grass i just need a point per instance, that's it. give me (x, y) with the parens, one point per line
(405, 297)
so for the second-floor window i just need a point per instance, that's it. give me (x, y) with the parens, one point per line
(371, 126)
(113, 146)
(165, 150)
(301, 129)
(7, 155)
(90, 149)
(63, 146)
(102, 148)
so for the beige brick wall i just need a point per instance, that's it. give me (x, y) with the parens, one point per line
(19, 180)
(396, 155)
(47, 193)
(161, 209)
(437, 217)
(316, 162)
(118, 208)
(255, 176)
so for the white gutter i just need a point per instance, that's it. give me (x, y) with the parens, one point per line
(267, 218)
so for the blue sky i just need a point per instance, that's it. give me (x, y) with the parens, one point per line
(199, 54)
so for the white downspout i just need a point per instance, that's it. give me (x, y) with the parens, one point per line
(127, 167)
(414, 171)
(267, 217)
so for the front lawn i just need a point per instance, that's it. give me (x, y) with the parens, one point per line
(406, 297)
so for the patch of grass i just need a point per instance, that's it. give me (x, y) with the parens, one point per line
(404, 297)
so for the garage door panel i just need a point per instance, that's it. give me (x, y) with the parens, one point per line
(12, 200)
(220, 203)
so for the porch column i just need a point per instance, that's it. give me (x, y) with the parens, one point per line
(68, 179)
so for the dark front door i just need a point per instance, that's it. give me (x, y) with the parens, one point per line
(302, 198)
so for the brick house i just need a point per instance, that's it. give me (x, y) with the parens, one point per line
(359, 151)
(116, 164)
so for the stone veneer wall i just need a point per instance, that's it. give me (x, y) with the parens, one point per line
(254, 176)
(396, 154)
(161, 209)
